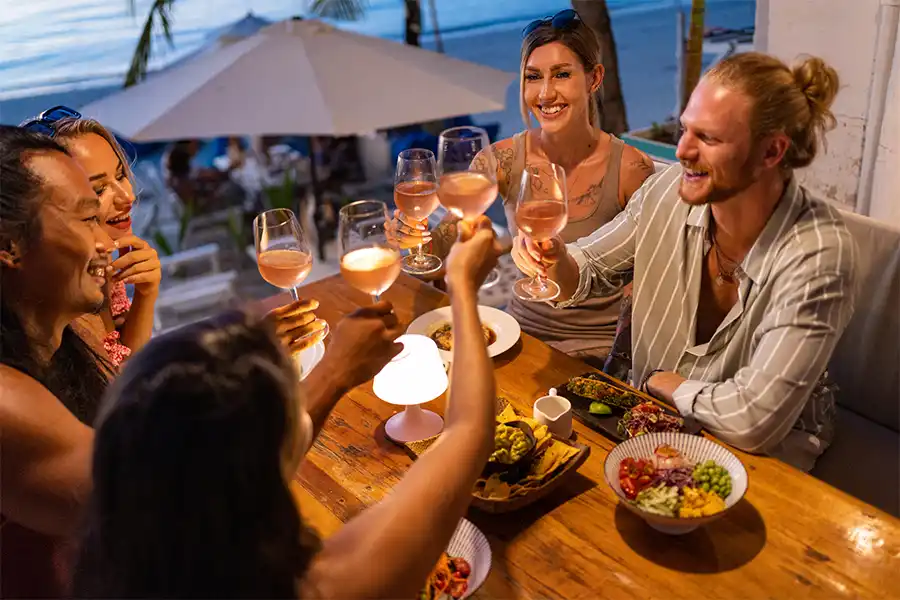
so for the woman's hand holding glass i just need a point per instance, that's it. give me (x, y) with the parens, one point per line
(541, 213)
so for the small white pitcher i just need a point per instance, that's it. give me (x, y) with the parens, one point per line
(556, 413)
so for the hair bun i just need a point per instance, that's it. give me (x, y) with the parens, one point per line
(819, 82)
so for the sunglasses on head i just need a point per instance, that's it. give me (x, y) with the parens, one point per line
(564, 19)
(44, 122)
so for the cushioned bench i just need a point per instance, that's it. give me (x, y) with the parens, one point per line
(864, 459)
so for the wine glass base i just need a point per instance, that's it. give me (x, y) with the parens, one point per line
(530, 290)
(413, 424)
(492, 279)
(424, 265)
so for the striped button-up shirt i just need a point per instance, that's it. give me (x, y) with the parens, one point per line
(752, 383)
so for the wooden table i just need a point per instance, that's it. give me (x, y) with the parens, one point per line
(791, 537)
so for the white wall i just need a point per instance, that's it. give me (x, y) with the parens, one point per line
(843, 33)
(885, 204)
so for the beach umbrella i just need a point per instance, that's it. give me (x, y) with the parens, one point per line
(301, 77)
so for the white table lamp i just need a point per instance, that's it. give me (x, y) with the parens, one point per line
(413, 377)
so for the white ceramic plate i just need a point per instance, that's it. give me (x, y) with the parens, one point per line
(469, 543)
(694, 448)
(310, 357)
(504, 325)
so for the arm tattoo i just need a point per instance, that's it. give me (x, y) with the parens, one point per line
(644, 165)
(505, 159)
(443, 236)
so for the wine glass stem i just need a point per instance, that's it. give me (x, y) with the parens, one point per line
(420, 255)
(295, 294)
(376, 298)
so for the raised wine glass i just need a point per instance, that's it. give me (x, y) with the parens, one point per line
(541, 213)
(467, 173)
(283, 254)
(369, 262)
(415, 194)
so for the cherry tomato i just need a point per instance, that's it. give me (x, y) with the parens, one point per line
(458, 588)
(628, 488)
(441, 581)
(460, 567)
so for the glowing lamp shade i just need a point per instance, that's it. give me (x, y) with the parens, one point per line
(413, 377)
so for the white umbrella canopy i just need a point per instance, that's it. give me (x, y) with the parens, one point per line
(301, 77)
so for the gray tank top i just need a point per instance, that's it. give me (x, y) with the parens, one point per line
(586, 330)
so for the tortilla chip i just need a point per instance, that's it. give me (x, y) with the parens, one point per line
(556, 455)
(494, 487)
(507, 414)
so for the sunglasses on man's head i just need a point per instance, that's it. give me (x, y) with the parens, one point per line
(44, 122)
(564, 19)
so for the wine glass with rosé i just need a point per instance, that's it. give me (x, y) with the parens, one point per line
(368, 260)
(467, 183)
(415, 194)
(541, 213)
(283, 254)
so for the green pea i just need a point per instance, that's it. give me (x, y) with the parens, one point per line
(705, 487)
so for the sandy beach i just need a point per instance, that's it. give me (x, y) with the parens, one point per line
(646, 47)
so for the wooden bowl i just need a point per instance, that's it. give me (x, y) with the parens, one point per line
(498, 467)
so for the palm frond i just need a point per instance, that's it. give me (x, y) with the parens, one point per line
(342, 10)
(160, 16)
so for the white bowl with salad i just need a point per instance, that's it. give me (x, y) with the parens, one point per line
(676, 482)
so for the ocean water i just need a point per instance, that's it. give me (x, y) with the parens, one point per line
(64, 45)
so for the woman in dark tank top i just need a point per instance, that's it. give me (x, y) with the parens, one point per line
(560, 73)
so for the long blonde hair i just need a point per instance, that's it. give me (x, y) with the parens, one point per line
(795, 100)
(69, 128)
(580, 39)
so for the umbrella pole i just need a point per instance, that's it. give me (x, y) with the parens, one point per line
(318, 208)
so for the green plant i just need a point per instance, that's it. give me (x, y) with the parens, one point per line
(236, 230)
(162, 243)
(282, 196)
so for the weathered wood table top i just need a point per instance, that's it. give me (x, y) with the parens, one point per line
(791, 537)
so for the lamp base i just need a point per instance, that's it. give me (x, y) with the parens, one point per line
(413, 424)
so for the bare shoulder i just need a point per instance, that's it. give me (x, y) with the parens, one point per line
(25, 404)
(636, 167)
(17, 386)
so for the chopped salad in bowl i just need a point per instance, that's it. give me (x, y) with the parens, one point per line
(675, 481)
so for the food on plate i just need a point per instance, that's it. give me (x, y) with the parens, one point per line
(510, 444)
(601, 391)
(700, 503)
(635, 475)
(448, 579)
(443, 336)
(598, 408)
(647, 417)
(670, 485)
(711, 477)
(549, 456)
(667, 457)
(659, 500)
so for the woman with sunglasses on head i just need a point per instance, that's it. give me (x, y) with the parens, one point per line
(560, 73)
(122, 325)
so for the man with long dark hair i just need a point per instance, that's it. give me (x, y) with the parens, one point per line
(53, 260)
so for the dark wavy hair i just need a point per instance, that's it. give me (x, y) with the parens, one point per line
(190, 497)
(76, 374)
